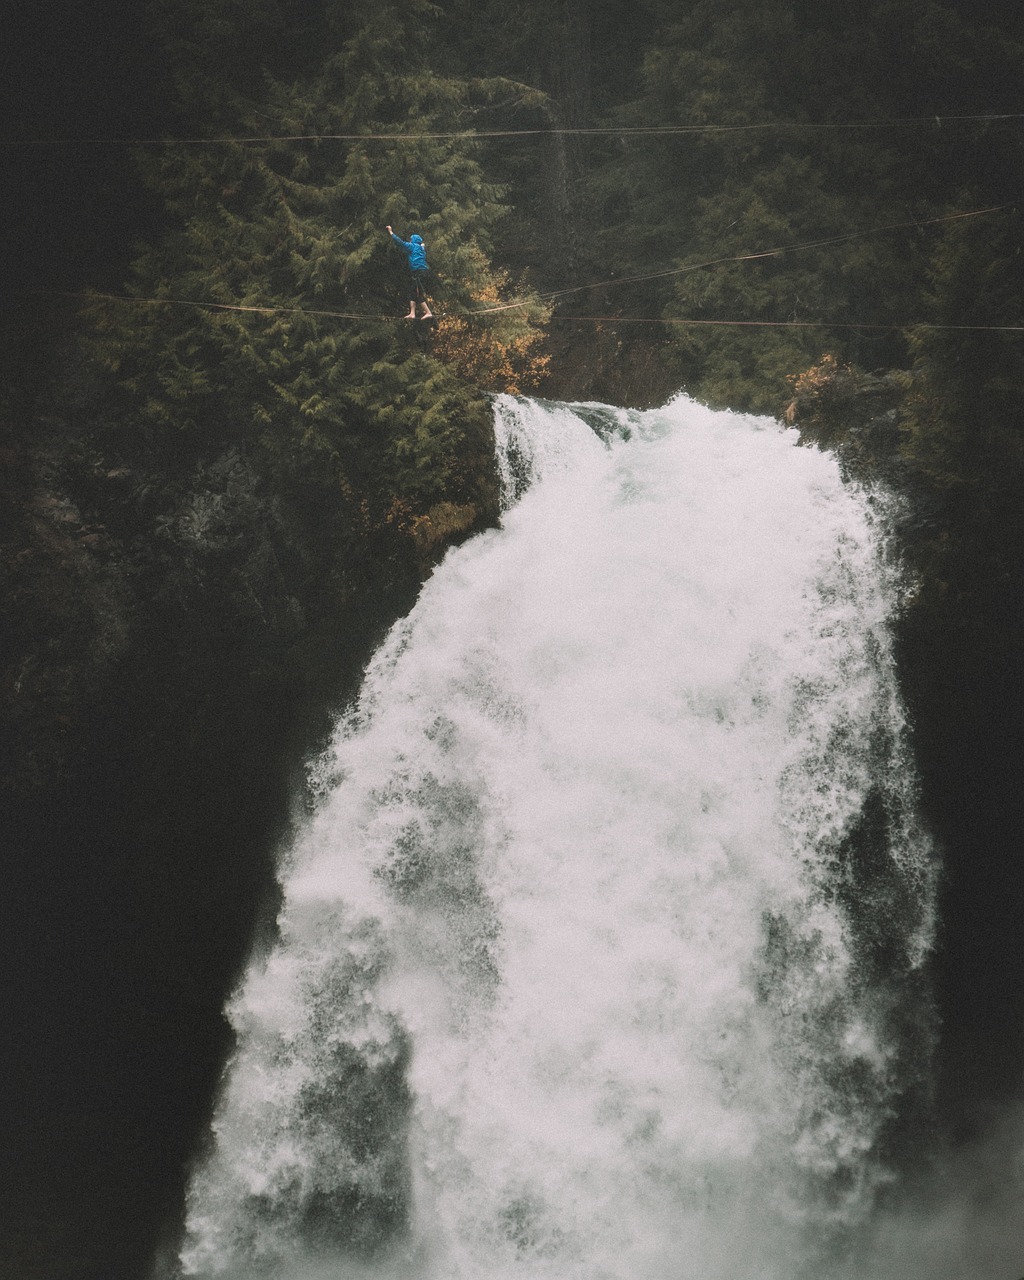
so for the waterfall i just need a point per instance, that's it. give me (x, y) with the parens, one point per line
(600, 956)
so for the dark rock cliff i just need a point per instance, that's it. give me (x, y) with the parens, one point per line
(171, 656)
(960, 535)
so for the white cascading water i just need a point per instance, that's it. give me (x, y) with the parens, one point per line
(600, 957)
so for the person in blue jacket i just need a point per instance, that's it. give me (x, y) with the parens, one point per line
(416, 257)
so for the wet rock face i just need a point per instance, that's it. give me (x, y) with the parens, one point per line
(605, 363)
(957, 529)
(100, 567)
(66, 608)
(171, 654)
(857, 413)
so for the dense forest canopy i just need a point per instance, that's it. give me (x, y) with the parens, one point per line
(764, 185)
(814, 122)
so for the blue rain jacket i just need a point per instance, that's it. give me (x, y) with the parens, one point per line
(415, 249)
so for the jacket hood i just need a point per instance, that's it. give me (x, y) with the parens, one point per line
(415, 239)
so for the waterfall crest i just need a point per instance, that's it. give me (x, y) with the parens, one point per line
(601, 955)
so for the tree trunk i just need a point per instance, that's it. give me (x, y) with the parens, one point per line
(569, 84)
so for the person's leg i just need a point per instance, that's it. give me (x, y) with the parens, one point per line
(421, 295)
(414, 293)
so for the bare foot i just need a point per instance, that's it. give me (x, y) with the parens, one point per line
(427, 315)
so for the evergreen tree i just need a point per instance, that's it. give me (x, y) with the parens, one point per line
(966, 418)
(785, 96)
(278, 247)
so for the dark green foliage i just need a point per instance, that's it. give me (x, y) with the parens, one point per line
(299, 224)
(968, 420)
(279, 235)
(773, 175)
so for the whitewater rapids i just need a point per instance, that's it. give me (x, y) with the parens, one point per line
(601, 956)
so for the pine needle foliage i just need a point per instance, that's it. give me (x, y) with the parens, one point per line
(269, 311)
(966, 420)
(797, 108)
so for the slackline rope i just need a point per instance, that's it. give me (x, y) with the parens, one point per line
(560, 293)
(600, 319)
(750, 257)
(470, 135)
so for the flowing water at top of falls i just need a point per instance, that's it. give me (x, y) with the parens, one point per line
(601, 955)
